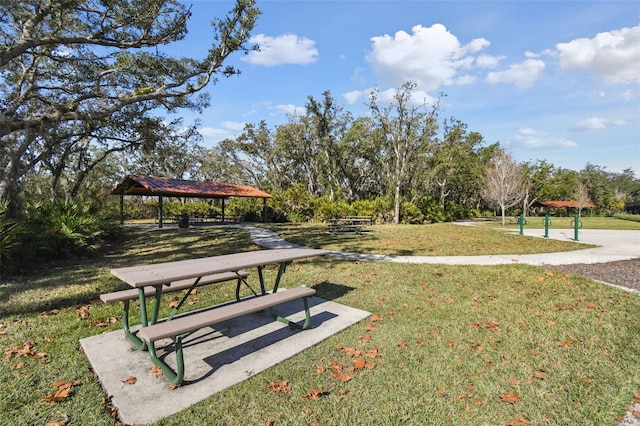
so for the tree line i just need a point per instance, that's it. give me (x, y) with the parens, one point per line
(87, 96)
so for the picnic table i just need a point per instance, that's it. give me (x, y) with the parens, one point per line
(349, 224)
(156, 279)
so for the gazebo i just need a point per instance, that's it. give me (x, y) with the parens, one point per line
(566, 204)
(165, 187)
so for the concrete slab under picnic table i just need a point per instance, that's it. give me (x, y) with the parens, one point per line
(215, 358)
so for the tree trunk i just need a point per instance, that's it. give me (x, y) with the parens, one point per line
(396, 212)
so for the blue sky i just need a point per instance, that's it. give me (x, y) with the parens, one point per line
(553, 80)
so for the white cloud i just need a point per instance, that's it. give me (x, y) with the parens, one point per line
(291, 109)
(629, 95)
(387, 96)
(233, 125)
(227, 129)
(522, 75)
(284, 49)
(488, 61)
(465, 79)
(592, 123)
(595, 123)
(613, 55)
(353, 96)
(537, 139)
(430, 56)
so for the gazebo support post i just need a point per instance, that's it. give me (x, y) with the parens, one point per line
(264, 210)
(160, 213)
(223, 210)
(122, 208)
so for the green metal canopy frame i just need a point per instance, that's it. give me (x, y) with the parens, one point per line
(165, 187)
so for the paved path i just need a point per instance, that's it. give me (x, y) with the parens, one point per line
(612, 246)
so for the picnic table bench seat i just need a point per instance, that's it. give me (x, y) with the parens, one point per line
(178, 327)
(131, 294)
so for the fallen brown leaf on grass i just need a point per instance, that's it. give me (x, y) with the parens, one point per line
(373, 353)
(104, 323)
(366, 338)
(62, 392)
(25, 350)
(349, 351)
(342, 375)
(282, 386)
(519, 421)
(58, 423)
(315, 394)
(83, 311)
(509, 397)
(359, 363)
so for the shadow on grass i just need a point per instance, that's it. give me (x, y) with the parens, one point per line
(71, 282)
(331, 291)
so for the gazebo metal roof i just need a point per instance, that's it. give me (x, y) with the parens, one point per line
(569, 203)
(157, 186)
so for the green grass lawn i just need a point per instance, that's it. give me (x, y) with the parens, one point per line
(444, 345)
(442, 239)
(536, 222)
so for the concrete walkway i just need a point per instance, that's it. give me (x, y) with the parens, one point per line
(611, 246)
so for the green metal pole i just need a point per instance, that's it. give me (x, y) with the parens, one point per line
(546, 226)
(576, 222)
(521, 224)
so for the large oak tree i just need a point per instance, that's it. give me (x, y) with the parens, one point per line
(76, 74)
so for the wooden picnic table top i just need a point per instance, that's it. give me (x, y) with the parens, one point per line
(351, 220)
(166, 272)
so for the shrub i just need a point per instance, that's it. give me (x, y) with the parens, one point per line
(330, 209)
(10, 232)
(378, 208)
(55, 230)
(244, 210)
(410, 213)
(431, 210)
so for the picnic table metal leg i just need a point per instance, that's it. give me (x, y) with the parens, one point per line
(137, 343)
(184, 298)
(238, 289)
(299, 326)
(144, 319)
(242, 280)
(261, 277)
(281, 270)
(176, 376)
